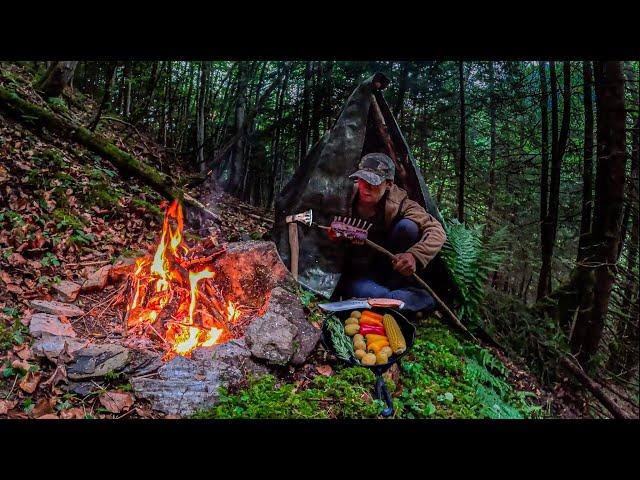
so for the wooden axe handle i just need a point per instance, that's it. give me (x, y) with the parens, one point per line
(293, 246)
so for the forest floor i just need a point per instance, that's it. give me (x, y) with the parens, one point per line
(65, 212)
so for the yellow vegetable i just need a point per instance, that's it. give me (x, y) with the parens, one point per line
(387, 351)
(351, 330)
(359, 345)
(369, 359)
(381, 358)
(360, 354)
(377, 346)
(356, 314)
(396, 339)
(351, 321)
(372, 337)
(357, 337)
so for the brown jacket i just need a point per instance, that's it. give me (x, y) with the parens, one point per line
(432, 235)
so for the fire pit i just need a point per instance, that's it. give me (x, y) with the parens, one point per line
(173, 297)
(186, 320)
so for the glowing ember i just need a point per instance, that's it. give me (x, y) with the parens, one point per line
(164, 295)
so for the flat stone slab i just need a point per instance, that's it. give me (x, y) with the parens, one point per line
(67, 290)
(51, 346)
(97, 361)
(44, 323)
(56, 308)
(185, 385)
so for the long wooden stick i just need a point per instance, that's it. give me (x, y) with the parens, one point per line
(424, 284)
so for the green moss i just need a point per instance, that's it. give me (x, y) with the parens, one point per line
(138, 202)
(103, 195)
(338, 396)
(66, 219)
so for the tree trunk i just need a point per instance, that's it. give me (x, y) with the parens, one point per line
(317, 103)
(149, 94)
(587, 173)
(200, 117)
(463, 148)
(402, 90)
(237, 159)
(558, 146)
(277, 161)
(111, 69)
(608, 204)
(544, 176)
(304, 122)
(57, 77)
(492, 155)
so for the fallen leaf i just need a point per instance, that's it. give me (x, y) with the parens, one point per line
(21, 364)
(6, 405)
(48, 416)
(16, 259)
(325, 370)
(15, 289)
(30, 382)
(43, 407)
(24, 353)
(5, 277)
(59, 375)
(116, 402)
(75, 412)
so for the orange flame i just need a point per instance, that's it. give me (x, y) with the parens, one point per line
(157, 283)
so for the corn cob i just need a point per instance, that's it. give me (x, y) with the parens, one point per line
(396, 339)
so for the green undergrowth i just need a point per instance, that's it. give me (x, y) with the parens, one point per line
(344, 395)
(442, 377)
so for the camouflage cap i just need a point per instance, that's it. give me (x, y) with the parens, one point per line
(375, 168)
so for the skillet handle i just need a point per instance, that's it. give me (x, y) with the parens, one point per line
(383, 394)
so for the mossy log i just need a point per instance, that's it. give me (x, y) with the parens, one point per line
(38, 117)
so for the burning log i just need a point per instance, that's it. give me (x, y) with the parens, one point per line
(163, 293)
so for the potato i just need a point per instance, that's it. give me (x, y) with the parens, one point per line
(351, 321)
(359, 345)
(369, 359)
(351, 330)
(360, 353)
(355, 314)
(357, 337)
(387, 351)
(381, 358)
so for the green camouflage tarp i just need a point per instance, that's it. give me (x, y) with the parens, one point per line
(321, 184)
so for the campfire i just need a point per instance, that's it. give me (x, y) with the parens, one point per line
(172, 296)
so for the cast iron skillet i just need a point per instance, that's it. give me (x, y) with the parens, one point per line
(409, 332)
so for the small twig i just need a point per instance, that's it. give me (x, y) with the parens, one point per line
(12, 387)
(86, 264)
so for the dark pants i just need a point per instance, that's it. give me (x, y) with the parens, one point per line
(382, 281)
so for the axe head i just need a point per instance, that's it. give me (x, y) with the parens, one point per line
(304, 217)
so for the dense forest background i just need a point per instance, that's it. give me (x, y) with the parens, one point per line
(546, 150)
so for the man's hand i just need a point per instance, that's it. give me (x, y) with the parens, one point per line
(404, 263)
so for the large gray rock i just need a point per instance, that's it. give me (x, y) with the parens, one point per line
(184, 384)
(51, 346)
(97, 361)
(56, 308)
(283, 334)
(46, 324)
(248, 271)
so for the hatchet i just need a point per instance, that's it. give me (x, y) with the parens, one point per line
(292, 221)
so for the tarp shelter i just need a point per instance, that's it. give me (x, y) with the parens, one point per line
(321, 184)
